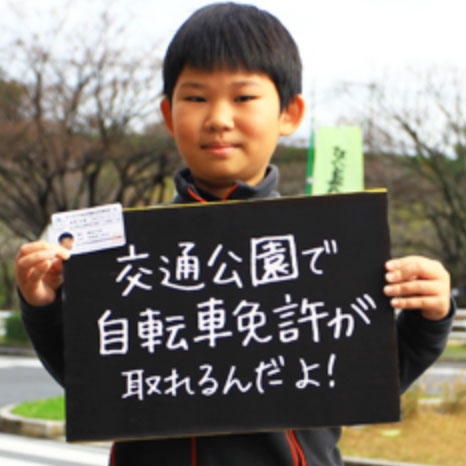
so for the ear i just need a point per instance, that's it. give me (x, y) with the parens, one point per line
(291, 117)
(167, 114)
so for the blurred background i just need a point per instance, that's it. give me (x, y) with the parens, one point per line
(80, 87)
(80, 125)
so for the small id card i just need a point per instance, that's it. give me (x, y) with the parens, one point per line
(88, 230)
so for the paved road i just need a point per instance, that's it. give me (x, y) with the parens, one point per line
(441, 375)
(24, 379)
(20, 451)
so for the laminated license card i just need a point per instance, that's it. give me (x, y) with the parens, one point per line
(89, 230)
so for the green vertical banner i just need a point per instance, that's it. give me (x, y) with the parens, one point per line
(310, 161)
(338, 160)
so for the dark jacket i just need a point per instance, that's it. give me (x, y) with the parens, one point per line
(420, 342)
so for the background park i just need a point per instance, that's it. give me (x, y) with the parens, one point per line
(79, 127)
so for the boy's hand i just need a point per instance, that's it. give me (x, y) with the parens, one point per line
(417, 282)
(38, 271)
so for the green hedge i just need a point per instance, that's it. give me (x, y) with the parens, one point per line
(14, 330)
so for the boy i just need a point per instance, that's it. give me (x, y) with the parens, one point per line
(232, 83)
(66, 240)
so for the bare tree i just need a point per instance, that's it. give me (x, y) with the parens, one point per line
(85, 128)
(9, 244)
(425, 124)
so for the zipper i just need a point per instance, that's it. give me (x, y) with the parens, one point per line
(203, 201)
(193, 451)
(292, 448)
(296, 450)
(112, 455)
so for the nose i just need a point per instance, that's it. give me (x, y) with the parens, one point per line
(219, 117)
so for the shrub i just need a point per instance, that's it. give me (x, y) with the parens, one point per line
(410, 402)
(14, 330)
(454, 400)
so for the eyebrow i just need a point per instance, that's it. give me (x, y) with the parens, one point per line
(238, 84)
(192, 84)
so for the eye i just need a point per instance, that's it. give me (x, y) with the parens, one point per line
(245, 98)
(194, 98)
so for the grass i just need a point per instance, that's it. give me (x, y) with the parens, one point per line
(50, 409)
(428, 434)
(454, 352)
(430, 437)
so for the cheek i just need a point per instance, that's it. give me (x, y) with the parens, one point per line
(260, 121)
(184, 125)
(256, 126)
(263, 131)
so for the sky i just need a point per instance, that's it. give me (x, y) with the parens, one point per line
(341, 41)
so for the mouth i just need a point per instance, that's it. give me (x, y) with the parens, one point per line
(219, 148)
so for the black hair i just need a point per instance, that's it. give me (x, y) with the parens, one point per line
(64, 236)
(233, 36)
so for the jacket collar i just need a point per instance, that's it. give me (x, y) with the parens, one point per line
(187, 191)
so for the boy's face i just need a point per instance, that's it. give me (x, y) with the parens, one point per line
(226, 125)
(67, 242)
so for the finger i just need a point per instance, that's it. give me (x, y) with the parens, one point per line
(57, 266)
(30, 259)
(46, 269)
(412, 267)
(429, 304)
(34, 246)
(62, 253)
(416, 287)
(33, 259)
(37, 246)
(37, 273)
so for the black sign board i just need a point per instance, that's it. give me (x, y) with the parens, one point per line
(233, 317)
